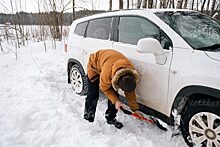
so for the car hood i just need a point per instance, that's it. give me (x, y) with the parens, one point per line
(213, 55)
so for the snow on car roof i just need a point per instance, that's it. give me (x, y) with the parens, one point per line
(127, 12)
(166, 10)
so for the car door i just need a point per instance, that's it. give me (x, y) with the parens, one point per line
(153, 86)
(97, 36)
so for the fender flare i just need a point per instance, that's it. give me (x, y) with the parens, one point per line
(72, 61)
(185, 93)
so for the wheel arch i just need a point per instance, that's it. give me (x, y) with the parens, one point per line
(70, 63)
(187, 93)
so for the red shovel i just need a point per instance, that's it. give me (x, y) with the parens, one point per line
(151, 121)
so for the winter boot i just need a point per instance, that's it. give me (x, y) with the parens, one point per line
(114, 122)
(89, 115)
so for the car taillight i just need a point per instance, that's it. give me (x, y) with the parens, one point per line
(65, 47)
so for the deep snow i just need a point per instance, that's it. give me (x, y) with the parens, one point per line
(39, 109)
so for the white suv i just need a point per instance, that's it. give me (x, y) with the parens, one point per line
(176, 52)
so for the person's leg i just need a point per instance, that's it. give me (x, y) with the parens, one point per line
(91, 100)
(110, 114)
(111, 111)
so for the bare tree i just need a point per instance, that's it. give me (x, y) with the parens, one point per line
(1, 45)
(57, 12)
(213, 7)
(170, 4)
(155, 6)
(173, 4)
(139, 4)
(207, 7)
(128, 4)
(197, 5)
(74, 14)
(150, 3)
(18, 43)
(192, 5)
(110, 5)
(144, 4)
(163, 4)
(42, 30)
(120, 4)
(132, 4)
(203, 5)
(185, 4)
(179, 4)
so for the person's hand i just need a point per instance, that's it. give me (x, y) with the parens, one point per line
(139, 114)
(118, 104)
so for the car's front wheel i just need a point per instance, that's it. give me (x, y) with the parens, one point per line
(200, 123)
(78, 80)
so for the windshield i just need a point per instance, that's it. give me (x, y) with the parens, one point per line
(198, 30)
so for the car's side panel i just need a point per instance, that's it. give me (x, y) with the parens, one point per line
(189, 68)
(153, 86)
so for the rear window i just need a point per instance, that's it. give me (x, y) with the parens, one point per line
(99, 28)
(80, 28)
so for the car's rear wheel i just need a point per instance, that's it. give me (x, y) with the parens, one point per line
(200, 123)
(78, 80)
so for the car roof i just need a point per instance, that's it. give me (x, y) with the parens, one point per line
(127, 12)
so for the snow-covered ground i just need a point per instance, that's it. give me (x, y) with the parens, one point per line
(39, 109)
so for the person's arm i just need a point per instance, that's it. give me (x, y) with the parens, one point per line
(132, 102)
(110, 93)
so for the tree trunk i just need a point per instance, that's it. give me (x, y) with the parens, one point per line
(169, 3)
(128, 4)
(173, 4)
(207, 7)
(179, 4)
(74, 14)
(163, 4)
(192, 6)
(144, 4)
(150, 4)
(197, 5)
(120, 4)
(139, 4)
(213, 7)
(203, 5)
(155, 5)
(185, 4)
(1, 47)
(110, 5)
(16, 32)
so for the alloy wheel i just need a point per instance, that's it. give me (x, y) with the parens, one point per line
(204, 128)
(76, 80)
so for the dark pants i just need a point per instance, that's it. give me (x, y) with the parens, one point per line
(92, 99)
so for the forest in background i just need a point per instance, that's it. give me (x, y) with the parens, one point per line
(44, 18)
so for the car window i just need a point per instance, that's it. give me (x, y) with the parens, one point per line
(197, 29)
(80, 28)
(99, 28)
(132, 29)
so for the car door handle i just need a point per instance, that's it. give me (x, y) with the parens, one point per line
(174, 72)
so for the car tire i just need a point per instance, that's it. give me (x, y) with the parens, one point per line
(200, 123)
(78, 80)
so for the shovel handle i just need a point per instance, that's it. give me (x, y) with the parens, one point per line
(137, 116)
(126, 111)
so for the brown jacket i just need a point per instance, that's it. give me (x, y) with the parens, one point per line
(110, 65)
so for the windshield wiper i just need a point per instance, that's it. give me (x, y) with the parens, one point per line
(210, 48)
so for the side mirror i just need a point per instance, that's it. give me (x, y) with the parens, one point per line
(151, 45)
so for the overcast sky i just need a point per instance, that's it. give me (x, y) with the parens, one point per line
(32, 5)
